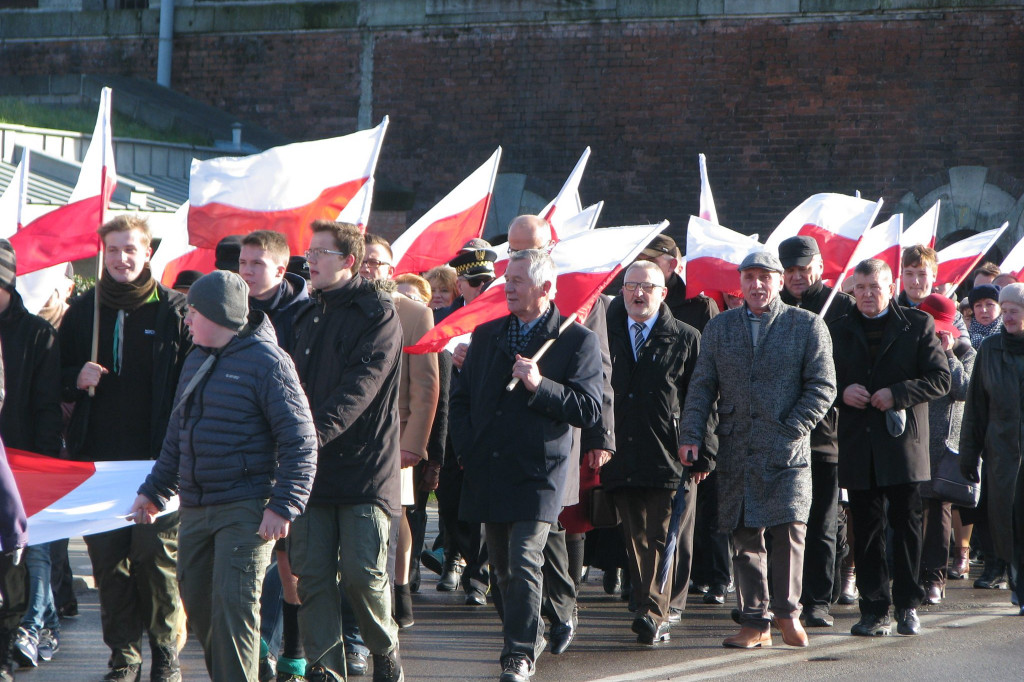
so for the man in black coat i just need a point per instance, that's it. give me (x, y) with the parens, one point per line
(514, 445)
(347, 347)
(889, 365)
(653, 356)
(803, 287)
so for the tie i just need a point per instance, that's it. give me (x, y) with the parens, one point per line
(638, 339)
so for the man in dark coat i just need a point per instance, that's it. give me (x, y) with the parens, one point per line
(889, 365)
(803, 287)
(514, 445)
(653, 356)
(347, 347)
(142, 346)
(695, 311)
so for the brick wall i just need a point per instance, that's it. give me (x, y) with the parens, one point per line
(782, 107)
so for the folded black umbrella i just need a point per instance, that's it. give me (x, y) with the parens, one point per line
(678, 507)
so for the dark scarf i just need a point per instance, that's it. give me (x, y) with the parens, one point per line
(127, 296)
(1013, 343)
(979, 332)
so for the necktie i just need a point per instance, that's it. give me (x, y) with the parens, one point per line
(638, 339)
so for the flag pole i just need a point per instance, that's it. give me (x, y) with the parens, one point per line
(544, 349)
(94, 353)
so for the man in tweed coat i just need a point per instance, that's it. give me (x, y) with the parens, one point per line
(770, 367)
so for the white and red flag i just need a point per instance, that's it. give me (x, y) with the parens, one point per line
(924, 229)
(713, 253)
(882, 242)
(176, 254)
(65, 499)
(436, 237)
(69, 232)
(956, 261)
(587, 262)
(14, 198)
(1014, 261)
(707, 200)
(282, 189)
(567, 204)
(357, 211)
(835, 221)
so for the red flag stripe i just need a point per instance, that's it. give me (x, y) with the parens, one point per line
(64, 234)
(442, 240)
(44, 480)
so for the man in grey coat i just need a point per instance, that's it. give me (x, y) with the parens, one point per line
(770, 367)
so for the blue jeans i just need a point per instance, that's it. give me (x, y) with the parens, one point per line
(41, 612)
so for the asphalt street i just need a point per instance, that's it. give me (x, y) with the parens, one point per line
(974, 634)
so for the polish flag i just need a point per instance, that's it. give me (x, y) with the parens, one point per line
(587, 262)
(14, 198)
(1014, 261)
(69, 232)
(357, 211)
(836, 222)
(282, 189)
(581, 222)
(175, 253)
(923, 231)
(707, 200)
(881, 242)
(958, 260)
(436, 237)
(567, 204)
(713, 253)
(65, 499)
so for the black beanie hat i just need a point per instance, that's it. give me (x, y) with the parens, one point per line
(221, 297)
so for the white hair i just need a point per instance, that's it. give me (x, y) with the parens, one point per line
(540, 267)
(652, 269)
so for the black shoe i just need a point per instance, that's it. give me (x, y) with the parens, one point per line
(451, 576)
(907, 622)
(610, 582)
(475, 596)
(818, 620)
(736, 616)
(319, 673)
(562, 635)
(403, 607)
(69, 610)
(267, 670)
(516, 668)
(650, 633)
(716, 594)
(164, 667)
(388, 667)
(128, 673)
(872, 626)
(356, 663)
(698, 588)
(993, 577)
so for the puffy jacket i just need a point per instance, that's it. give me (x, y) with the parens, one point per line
(244, 432)
(347, 347)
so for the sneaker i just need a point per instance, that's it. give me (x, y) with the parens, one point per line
(26, 648)
(872, 626)
(49, 644)
(516, 668)
(388, 667)
(128, 673)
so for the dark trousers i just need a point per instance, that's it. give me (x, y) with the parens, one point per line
(13, 595)
(645, 515)
(712, 548)
(134, 569)
(517, 553)
(868, 512)
(937, 521)
(61, 579)
(465, 538)
(417, 516)
(820, 544)
(559, 588)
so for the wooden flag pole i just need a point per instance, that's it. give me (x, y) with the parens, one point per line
(544, 349)
(94, 354)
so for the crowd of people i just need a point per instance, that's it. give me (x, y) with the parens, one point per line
(794, 449)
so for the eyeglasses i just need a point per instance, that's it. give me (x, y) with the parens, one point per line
(314, 254)
(374, 263)
(647, 287)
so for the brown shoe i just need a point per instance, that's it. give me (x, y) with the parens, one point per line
(961, 567)
(933, 593)
(749, 637)
(792, 631)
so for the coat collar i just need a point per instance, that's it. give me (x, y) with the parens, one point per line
(548, 329)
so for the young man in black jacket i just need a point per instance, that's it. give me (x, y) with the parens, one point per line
(347, 346)
(142, 345)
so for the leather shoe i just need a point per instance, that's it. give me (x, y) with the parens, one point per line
(644, 626)
(933, 593)
(610, 582)
(516, 668)
(450, 577)
(697, 588)
(716, 594)
(650, 633)
(749, 637)
(476, 597)
(562, 635)
(907, 622)
(818, 620)
(872, 626)
(792, 632)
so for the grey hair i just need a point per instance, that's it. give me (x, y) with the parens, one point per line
(541, 267)
(651, 268)
(873, 266)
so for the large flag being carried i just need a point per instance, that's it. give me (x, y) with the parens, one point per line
(881, 242)
(1014, 261)
(956, 261)
(69, 232)
(65, 499)
(707, 200)
(713, 253)
(283, 189)
(836, 222)
(567, 204)
(586, 263)
(924, 229)
(176, 254)
(437, 237)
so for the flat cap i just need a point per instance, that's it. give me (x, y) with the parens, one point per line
(798, 251)
(660, 245)
(766, 260)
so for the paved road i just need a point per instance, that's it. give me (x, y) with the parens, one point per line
(974, 634)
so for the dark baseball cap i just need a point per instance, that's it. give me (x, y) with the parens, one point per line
(798, 251)
(660, 246)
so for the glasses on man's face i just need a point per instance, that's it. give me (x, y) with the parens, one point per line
(374, 263)
(314, 254)
(646, 287)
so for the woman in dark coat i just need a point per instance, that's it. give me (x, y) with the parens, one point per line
(992, 430)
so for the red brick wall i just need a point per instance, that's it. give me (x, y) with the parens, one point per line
(782, 108)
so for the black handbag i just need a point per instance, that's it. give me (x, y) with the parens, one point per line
(949, 485)
(601, 509)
